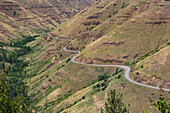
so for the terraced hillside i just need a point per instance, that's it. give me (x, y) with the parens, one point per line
(59, 85)
(34, 16)
(154, 69)
(127, 32)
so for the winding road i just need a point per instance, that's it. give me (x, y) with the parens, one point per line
(125, 68)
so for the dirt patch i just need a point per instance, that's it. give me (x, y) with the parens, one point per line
(98, 60)
(54, 94)
(92, 22)
(62, 75)
(115, 43)
(94, 16)
(156, 22)
(49, 66)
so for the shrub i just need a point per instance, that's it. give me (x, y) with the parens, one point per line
(102, 84)
(124, 5)
(116, 12)
(127, 63)
(83, 97)
(98, 85)
(137, 73)
(94, 87)
(68, 60)
(161, 103)
(119, 76)
(105, 80)
(14, 13)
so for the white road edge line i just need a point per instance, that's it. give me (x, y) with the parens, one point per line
(126, 68)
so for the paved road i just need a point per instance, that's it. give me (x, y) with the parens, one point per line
(125, 68)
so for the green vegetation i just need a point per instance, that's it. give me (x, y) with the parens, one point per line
(137, 73)
(142, 57)
(23, 41)
(15, 92)
(91, 28)
(68, 60)
(7, 103)
(101, 86)
(161, 103)
(40, 31)
(14, 13)
(116, 12)
(141, 3)
(71, 104)
(124, 5)
(114, 103)
(127, 40)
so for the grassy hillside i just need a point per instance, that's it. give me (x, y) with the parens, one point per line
(154, 69)
(59, 85)
(95, 100)
(123, 35)
(34, 16)
(127, 32)
(17, 21)
(51, 70)
(139, 35)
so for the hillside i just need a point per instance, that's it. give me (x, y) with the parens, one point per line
(154, 69)
(134, 33)
(34, 16)
(125, 36)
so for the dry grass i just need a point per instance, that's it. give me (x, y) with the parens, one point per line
(126, 36)
(156, 65)
(134, 95)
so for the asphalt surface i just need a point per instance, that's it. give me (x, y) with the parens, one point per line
(125, 68)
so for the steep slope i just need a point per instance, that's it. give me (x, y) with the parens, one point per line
(142, 30)
(71, 7)
(60, 84)
(126, 28)
(107, 32)
(154, 70)
(132, 32)
(120, 32)
(91, 16)
(53, 76)
(15, 18)
(34, 16)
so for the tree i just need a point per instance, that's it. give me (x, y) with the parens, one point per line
(162, 103)
(114, 103)
(7, 104)
(4, 58)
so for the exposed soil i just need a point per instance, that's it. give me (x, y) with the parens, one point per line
(153, 81)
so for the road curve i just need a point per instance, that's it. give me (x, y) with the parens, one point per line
(125, 68)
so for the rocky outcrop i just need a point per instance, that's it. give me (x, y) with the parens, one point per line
(98, 60)
(156, 22)
(31, 15)
(153, 81)
(93, 22)
(115, 43)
